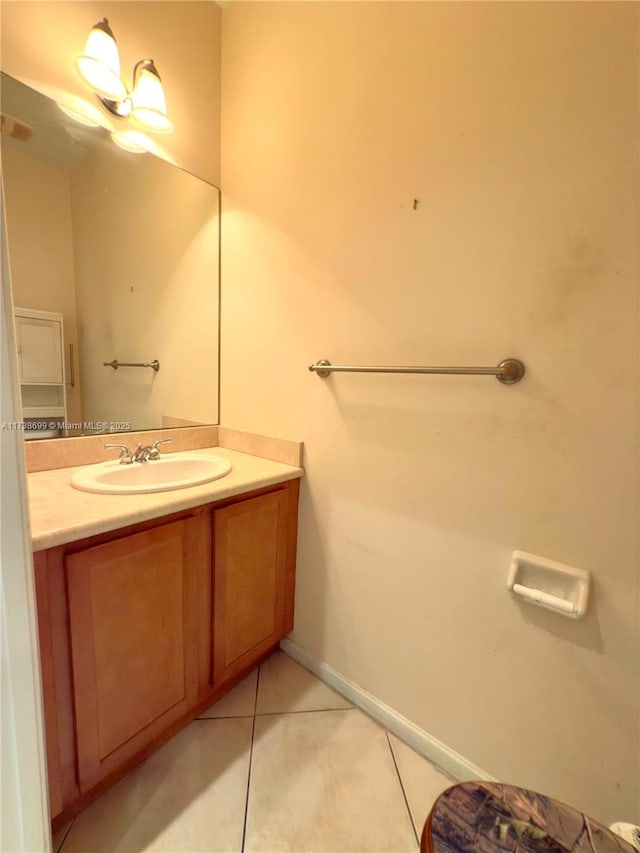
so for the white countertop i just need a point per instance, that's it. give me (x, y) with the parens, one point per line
(60, 514)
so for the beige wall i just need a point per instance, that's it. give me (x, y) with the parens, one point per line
(146, 259)
(40, 241)
(39, 41)
(515, 126)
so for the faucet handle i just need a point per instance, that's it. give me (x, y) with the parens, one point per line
(154, 453)
(126, 457)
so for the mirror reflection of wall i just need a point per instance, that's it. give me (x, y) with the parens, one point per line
(123, 246)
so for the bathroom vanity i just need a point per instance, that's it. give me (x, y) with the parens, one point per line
(150, 607)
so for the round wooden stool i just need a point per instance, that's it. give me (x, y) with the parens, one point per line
(486, 817)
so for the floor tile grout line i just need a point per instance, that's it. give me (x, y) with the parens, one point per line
(270, 714)
(253, 732)
(65, 836)
(255, 698)
(404, 793)
(226, 717)
(303, 711)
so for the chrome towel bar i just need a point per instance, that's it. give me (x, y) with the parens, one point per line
(154, 365)
(509, 371)
(72, 368)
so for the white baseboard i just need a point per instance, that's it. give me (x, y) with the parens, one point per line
(453, 764)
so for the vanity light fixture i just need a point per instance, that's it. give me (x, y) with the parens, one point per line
(99, 67)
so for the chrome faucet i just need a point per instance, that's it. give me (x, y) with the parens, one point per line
(144, 454)
(140, 454)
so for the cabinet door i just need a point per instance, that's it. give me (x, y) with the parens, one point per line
(250, 581)
(39, 350)
(132, 606)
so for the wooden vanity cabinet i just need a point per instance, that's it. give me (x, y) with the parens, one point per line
(140, 629)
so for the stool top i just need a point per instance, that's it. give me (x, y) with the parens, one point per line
(487, 817)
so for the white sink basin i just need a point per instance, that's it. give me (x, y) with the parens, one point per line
(173, 471)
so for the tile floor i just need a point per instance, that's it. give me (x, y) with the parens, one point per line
(281, 763)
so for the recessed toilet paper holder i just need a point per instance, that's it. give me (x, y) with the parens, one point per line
(549, 584)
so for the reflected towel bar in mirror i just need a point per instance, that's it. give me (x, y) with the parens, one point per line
(72, 368)
(155, 364)
(509, 371)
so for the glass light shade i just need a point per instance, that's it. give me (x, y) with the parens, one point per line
(149, 105)
(99, 65)
(78, 115)
(129, 141)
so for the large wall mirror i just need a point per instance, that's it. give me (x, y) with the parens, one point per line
(114, 260)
